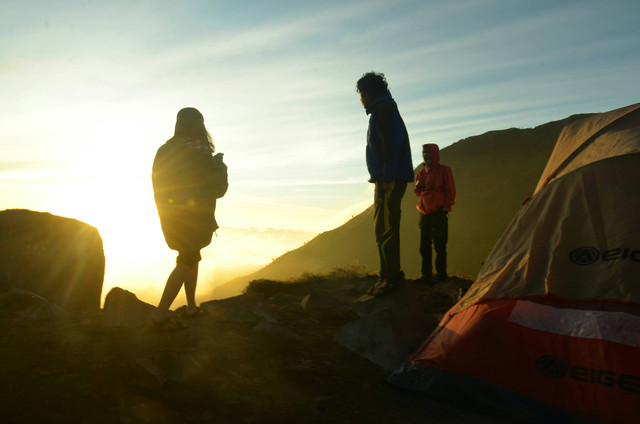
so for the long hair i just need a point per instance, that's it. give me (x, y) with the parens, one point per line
(190, 124)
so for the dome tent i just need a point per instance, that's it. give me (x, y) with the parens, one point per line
(550, 329)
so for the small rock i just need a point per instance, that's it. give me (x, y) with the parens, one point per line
(167, 366)
(258, 310)
(152, 376)
(320, 301)
(23, 304)
(123, 309)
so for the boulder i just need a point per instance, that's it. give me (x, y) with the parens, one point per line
(277, 330)
(60, 259)
(389, 329)
(123, 309)
(374, 337)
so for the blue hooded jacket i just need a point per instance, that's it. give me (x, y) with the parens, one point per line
(388, 158)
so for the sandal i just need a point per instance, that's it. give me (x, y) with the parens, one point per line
(194, 313)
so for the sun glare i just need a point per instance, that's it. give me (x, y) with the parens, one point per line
(122, 209)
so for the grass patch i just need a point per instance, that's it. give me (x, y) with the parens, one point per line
(271, 287)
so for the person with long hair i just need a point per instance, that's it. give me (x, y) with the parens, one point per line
(186, 178)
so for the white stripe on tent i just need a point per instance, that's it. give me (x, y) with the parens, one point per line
(618, 327)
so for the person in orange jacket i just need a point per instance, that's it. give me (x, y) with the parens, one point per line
(436, 188)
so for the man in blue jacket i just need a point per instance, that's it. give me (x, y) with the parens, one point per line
(390, 167)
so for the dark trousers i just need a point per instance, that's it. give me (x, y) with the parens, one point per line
(434, 228)
(386, 221)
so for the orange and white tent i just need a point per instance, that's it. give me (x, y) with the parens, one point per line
(550, 330)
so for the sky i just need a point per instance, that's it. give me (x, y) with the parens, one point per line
(90, 89)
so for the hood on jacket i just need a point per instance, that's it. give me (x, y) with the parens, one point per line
(434, 150)
(383, 97)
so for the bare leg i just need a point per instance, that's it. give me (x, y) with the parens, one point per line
(190, 282)
(171, 290)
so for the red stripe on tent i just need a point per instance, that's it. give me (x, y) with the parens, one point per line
(596, 378)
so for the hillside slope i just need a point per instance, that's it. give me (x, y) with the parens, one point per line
(494, 173)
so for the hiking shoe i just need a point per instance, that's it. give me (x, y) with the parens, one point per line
(372, 290)
(424, 280)
(385, 287)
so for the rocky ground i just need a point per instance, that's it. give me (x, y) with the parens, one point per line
(268, 356)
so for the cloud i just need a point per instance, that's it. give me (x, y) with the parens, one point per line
(277, 89)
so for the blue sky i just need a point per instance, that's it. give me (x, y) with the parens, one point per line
(90, 90)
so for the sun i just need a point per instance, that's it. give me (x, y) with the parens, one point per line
(121, 207)
(112, 190)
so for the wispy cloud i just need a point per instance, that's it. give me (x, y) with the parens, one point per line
(97, 85)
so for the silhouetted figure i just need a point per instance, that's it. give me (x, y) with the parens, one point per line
(437, 191)
(390, 167)
(187, 180)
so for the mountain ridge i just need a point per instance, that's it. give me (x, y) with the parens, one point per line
(495, 172)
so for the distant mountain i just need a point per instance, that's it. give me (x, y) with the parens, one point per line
(494, 173)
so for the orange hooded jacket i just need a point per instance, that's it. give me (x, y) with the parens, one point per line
(434, 185)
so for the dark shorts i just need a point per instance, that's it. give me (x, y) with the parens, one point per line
(188, 258)
(187, 229)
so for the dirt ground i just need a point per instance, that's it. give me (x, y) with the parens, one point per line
(277, 363)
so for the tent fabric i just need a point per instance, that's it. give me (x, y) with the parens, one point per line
(553, 318)
(575, 239)
(489, 396)
(595, 138)
(498, 361)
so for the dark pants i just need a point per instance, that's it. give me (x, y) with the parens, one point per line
(434, 228)
(386, 221)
